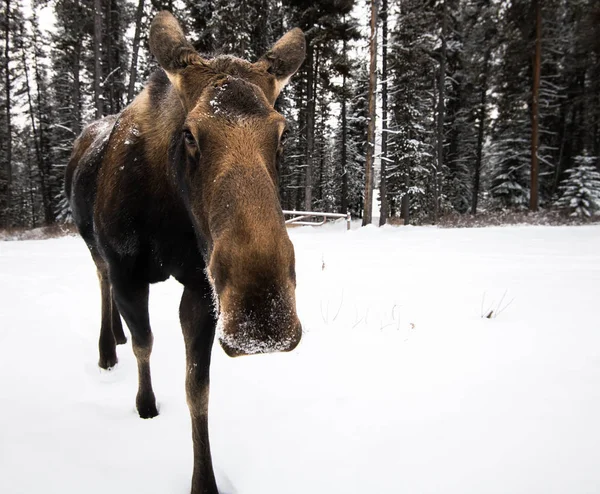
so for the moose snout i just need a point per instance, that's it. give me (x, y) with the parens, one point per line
(237, 345)
(265, 326)
(256, 287)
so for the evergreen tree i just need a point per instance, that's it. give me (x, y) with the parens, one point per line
(469, 82)
(325, 24)
(512, 132)
(580, 191)
(413, 73)
(510, 156)
(358, 120)
(6, 135)
(459, 82)
(346, 66)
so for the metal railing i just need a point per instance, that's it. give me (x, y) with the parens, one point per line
(300, 216)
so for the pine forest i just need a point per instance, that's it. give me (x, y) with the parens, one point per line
(405, 110)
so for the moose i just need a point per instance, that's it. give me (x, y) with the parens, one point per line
(183, 183)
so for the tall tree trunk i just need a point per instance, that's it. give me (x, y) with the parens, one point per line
(405, 208)
(441, 110)
(48, 217)
(533, 199)
(563, 126)
(321, 154)
(97, 57)
(242, 51)
(109, 58)
(384, 210)
(310, 127)
(344, 157)
(31, 189)
(480, 130)
(596, 127)
(295, 172)
(368, 205)
(76, 111)
(43, 159)
(139, 13)
(8, 109)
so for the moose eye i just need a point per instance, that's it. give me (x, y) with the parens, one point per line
(189, 138)
(283, 137)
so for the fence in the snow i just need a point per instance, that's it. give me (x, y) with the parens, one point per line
(301, 217)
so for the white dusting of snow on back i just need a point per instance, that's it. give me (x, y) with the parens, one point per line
(103, 125)
(102, 128)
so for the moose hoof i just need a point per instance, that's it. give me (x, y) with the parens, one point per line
(146, 407)
(107, 363)
(148, 412)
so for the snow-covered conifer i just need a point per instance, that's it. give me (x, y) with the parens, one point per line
(581, 189)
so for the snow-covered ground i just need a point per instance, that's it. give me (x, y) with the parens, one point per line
(399, 384)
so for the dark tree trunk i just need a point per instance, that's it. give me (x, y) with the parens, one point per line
(441, 110)
(368, 202)
(533, 202)
(97, 58)
(344, 157)
(242, 50)
(310, 126)
(384, 210)
(109, 57)
(139, 13)
(404, 208)
(560, 162)
(44, 152)
(8, 110)
(596, 126)
(48, 217)
(321, 154)
(31, 190)
(480, 131)
(76, 111)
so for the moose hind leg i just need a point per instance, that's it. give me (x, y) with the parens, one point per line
(198, 323)
(106, 344)
(117, 326)
(132, 302)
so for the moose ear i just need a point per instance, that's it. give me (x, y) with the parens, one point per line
(169, 46)
(285, 57)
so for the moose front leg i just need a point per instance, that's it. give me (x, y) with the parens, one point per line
(198, 322)
(106, 344)
(132, 302)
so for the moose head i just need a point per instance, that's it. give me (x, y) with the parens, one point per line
(225, 163)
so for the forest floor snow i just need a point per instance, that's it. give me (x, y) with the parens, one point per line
(399, 385)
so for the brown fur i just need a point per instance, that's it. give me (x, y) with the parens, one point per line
(183, 183)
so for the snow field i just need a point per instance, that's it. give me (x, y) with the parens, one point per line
(399, 384)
